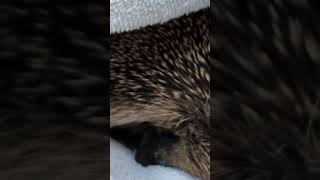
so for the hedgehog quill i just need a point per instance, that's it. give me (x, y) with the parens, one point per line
(160, 75)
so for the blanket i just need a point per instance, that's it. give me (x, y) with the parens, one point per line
(127, 15)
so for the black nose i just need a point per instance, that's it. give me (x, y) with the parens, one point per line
(145, 158)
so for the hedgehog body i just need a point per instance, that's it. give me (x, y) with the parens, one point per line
(161, 75)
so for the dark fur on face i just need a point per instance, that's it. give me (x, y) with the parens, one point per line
(266, 90)
(160, 74)
(146, 140)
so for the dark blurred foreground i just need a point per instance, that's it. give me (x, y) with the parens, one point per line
(53, 103)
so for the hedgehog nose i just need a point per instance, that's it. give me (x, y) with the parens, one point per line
(145, 159)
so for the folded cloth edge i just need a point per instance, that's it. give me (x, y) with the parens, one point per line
(126, 15)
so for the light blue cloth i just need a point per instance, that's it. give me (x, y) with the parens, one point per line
(131, 14)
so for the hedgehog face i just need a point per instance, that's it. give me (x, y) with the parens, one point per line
(188, 148)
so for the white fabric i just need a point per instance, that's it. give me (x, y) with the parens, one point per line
(131, 14)
(124, 167)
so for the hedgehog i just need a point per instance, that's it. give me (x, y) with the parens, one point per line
(266, 115)
(160, 81)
